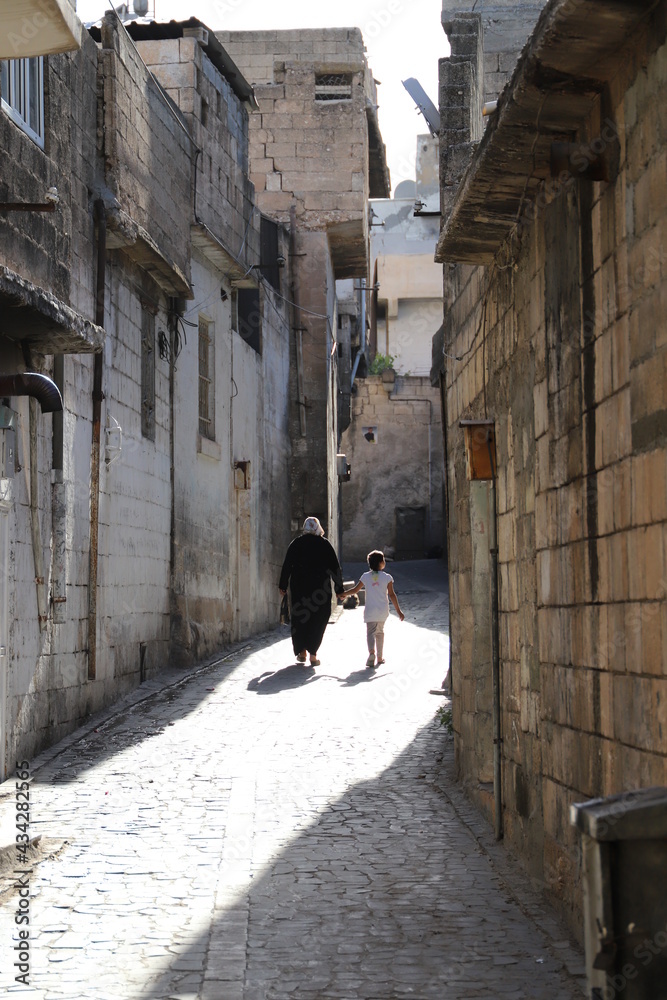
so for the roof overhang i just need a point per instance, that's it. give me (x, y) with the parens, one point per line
(216, 253)
(38, 28)
(32, 315)
(571, 55)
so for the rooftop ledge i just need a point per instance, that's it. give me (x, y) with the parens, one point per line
(572, 53)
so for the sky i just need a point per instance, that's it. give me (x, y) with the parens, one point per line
(403, 38)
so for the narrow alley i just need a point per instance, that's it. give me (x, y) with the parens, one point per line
(265, 831)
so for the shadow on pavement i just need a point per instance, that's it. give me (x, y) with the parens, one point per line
(386, 894)
(118, 730)
(273, 681)
(360, 677)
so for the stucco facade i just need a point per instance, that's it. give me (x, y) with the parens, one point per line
(554, 336)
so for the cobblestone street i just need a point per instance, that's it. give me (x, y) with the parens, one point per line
(266, 831)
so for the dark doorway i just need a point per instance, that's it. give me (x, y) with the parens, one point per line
(410, 532)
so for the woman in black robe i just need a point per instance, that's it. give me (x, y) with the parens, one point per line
(310, 565)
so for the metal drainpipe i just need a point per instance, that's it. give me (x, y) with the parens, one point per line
(38, 555)
(495, 653)
(33, 483)
(98, 396)
(447, 682)
(58, 504)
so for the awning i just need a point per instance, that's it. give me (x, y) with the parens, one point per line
(32, 314)
(38, 28)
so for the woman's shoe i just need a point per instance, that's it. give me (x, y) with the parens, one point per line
(315, 662)
(301, 657)
(370, 662)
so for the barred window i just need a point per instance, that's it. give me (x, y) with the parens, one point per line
(333, 87)
(206, 383)
(22, 92)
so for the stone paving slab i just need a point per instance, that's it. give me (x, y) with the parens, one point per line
(265, 831)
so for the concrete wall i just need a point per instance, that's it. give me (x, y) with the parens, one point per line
(401, 466)
(223, 567)
(572, 366)
(230, 532)
(219, 125)
(305, 151)
(141, 134)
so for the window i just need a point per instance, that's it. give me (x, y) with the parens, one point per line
(268, 253)
(206, 384)
(22, 90)
(333, 87)
(148, 374)
(249, 317)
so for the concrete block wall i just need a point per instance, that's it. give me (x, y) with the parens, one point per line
(142, 133)
(571, 366)
(49, 240)
(219, 124)
(135, 498)
(48, 692)
(229, 543)
(312, 152)
(312, 155)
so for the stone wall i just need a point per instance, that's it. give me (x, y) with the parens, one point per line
(394, 446)
(565, 349)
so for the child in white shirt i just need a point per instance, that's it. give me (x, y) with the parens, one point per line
(379, 587)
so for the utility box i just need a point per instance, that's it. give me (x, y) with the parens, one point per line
(7, 443)
(624, 867)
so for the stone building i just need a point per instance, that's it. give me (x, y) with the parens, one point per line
(133, 512)
(394, 441)
(316, 156)
(553, 363)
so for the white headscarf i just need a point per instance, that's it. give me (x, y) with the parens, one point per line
(313, 526)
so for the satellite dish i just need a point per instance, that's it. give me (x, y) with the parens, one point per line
(140, 7)
(424, 103)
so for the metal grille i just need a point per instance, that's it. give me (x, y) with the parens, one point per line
(206, 427)
(333, 87)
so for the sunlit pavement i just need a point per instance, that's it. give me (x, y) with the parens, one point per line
(266, 831)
